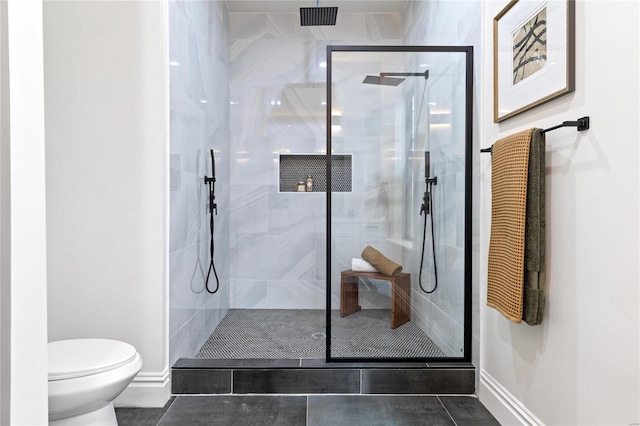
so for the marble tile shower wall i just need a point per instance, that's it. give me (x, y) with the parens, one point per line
(441, 23)
(199, 121)
(372, 214)
(277, 88)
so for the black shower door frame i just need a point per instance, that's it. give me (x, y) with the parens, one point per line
(468, 51)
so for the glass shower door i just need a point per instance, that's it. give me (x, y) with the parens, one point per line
(398, 243)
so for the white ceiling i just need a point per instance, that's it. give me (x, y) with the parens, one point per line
(293, 6)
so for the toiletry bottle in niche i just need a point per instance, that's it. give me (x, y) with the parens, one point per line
(309, 183)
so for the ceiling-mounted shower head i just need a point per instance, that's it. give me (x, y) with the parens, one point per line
(312, 16)
(383, 81)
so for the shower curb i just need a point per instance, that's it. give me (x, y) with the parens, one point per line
(315, 376)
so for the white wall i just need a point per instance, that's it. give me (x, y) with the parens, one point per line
(106, 84)
(581, 365)
(24, 280)
(5, 222)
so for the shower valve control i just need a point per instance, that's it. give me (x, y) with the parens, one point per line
(426, 198)
(426, 202)
(213, 207)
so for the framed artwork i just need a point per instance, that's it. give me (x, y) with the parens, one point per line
(533, 55)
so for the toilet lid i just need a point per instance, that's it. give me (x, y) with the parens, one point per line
(84, 357)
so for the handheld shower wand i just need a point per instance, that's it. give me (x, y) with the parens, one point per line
(213, 208)
(211, 181)
(427, 208)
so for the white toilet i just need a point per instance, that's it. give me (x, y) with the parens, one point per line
(85, 376)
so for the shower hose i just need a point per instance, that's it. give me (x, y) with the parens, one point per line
(433, 244)
(212, 207)
(212, 266)
(428, 212)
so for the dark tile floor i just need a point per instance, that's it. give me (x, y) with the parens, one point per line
(312, 410)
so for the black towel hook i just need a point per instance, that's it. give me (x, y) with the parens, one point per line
(580, 123)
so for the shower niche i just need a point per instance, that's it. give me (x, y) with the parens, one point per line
(406, 116)
(294, 168)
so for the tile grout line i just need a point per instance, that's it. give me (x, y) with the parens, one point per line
(167, 410)
(189, 395)
(447, 411)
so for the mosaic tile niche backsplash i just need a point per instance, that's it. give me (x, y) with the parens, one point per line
(295, 168)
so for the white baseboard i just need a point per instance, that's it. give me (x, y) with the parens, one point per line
(502, 404)
(146, 390)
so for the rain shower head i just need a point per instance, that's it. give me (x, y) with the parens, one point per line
(383, 81)
(312, 16)
(391, 78)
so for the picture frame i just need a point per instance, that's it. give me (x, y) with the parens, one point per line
(533, 55)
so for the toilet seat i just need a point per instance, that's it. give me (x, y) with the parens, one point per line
(68, 359)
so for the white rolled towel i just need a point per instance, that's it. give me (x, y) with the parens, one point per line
(361, 265)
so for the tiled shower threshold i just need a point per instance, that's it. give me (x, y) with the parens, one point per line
(315, 376)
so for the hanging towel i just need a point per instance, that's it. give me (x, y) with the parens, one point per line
(361, 265)
(380, 262)
(534, 233)
(505, 275)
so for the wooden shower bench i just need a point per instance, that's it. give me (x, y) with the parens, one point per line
(400, 294)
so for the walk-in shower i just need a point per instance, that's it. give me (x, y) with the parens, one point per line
(410, 139)
(397, 179)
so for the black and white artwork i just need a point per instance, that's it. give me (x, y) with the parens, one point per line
(533, 55)
(530, 47)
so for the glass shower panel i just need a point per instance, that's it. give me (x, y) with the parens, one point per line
(396, 112)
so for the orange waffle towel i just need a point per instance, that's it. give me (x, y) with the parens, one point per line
(383, 264)
(509, 170)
